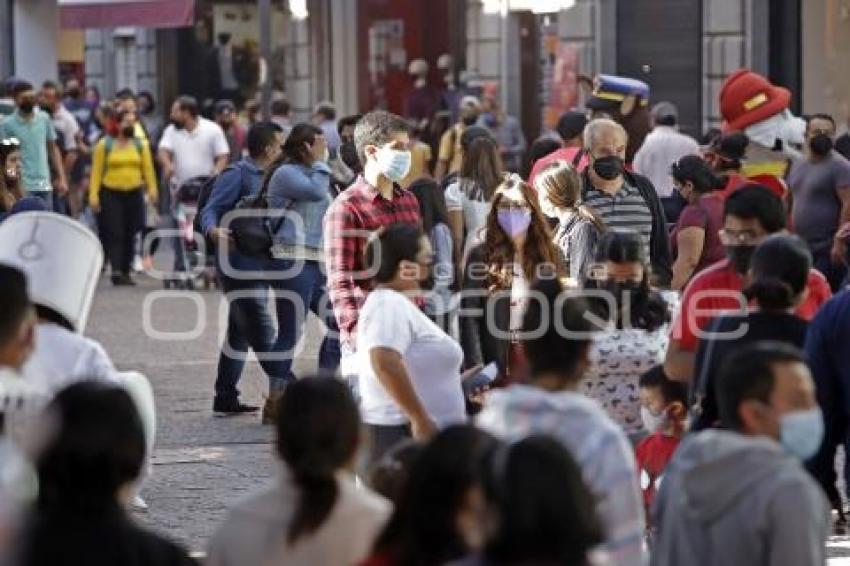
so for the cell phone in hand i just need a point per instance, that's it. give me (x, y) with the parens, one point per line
(481, 379)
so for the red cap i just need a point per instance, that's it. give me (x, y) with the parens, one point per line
(747, 98)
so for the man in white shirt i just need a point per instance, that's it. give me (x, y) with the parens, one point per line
(191, 146)
(662, 147)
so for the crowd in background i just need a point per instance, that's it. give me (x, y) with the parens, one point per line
(520, 345)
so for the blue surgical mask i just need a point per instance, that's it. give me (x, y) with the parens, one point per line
(802, 432)
(394, 164)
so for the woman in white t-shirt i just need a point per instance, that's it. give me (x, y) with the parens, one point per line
(468, 197)
(409, 368)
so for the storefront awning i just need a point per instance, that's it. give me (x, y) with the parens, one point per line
(117, 13)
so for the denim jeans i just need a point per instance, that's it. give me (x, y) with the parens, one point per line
(249, 325)
(301, 287)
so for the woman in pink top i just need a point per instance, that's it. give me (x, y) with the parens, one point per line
(695, 241)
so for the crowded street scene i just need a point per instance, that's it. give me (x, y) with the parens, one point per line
(424, 282)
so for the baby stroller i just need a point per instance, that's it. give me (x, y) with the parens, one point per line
(191, 261)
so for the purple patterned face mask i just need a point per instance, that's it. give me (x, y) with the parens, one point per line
(514, 221)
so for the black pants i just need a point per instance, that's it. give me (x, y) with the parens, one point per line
(122, 215)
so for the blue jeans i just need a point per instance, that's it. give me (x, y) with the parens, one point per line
(303, 289)
(249, 325)
(46, 196)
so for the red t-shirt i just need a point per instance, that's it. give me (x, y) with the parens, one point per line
(652, 455)
(717, 289)
(567, 154)
(708, 215)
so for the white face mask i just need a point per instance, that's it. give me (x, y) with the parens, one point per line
(652, 422)
(394, 164)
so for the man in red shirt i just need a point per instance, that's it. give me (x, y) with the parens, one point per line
(375, 199)
(751, 213)
(570, 128)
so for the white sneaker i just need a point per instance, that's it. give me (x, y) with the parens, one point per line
(138, 504)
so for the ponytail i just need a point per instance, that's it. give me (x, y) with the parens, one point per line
(771, 293)
(317, 435)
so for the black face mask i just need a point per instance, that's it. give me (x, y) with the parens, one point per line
(26, 107)
(128, 131)
(821, 144)
(739, 257)
(609, 167)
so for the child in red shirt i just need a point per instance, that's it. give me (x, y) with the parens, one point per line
(663, 411)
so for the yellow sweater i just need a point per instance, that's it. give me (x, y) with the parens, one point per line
(127, 170)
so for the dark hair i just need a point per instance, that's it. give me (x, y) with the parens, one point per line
(671, 391)
(302, 134)
(747, 374)
(571, 124)
(432, 203)
(779, 271)
(546, 513)
(21, 86)
(481, 169)
(14, 302)
(260, 136)
(820, 116)
(730, 148)
(326, 109)
(387, 248)
(650, 311)
(280, 107)
(389, 475)
(188, 104)
(423, 529)
(541, 147)
(555, 351)
(347, 121)
(317, 434)
(51, 85)
(754, 201)
(151, 101)
(693, 168)
(98, 446)
(125, 93)
(377, 128)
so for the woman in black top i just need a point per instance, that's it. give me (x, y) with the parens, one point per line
(779, 270)
(95, 453)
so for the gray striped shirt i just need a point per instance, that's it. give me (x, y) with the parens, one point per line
(625, 210)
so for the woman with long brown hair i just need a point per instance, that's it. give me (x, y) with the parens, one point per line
(468, 198)
(517, 249)
(10, 173)
(579, 228)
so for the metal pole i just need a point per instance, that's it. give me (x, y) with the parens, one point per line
(264, 13)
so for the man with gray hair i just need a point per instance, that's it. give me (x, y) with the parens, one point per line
(664, 145)
(622, 199)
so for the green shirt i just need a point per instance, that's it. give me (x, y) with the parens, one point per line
(33, 134)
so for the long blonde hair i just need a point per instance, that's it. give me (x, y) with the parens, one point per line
(562, 184)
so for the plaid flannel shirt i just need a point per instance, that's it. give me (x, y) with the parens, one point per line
(357, 212)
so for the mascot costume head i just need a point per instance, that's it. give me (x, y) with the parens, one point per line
(625, 101)
(751, 104)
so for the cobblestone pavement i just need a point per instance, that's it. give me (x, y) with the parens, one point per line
(201, 463)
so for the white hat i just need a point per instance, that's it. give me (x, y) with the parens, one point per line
(62, 260)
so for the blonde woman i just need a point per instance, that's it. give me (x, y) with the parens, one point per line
(558, 188)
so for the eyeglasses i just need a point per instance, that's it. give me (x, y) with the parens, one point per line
(738, 237)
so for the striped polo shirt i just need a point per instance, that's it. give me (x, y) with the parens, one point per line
(624, 210)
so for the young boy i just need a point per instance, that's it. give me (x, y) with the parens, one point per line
(664, 412)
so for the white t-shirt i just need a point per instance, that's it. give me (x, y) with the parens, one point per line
(194, 152)
(388, 319)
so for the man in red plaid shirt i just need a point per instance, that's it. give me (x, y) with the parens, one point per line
(375, 199)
